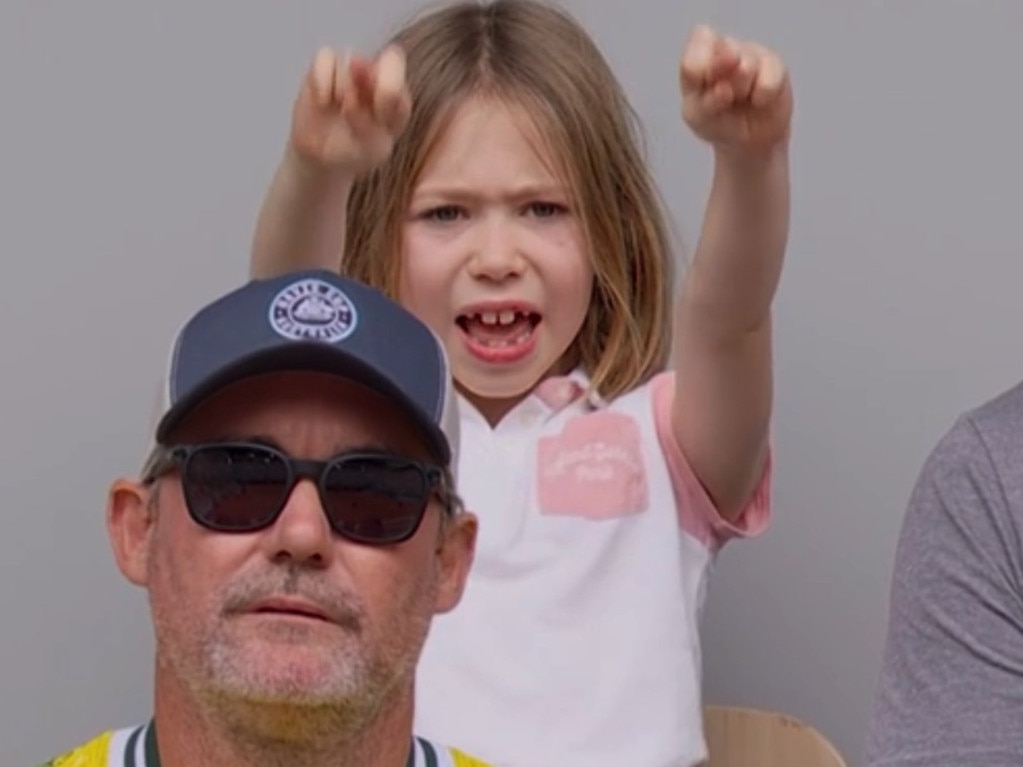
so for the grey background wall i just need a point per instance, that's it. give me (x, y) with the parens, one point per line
(137, 140)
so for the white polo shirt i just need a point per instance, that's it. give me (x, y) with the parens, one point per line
(577, 641)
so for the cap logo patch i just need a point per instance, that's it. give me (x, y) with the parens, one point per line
(312, 310)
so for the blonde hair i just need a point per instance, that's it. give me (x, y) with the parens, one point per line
(533, 54)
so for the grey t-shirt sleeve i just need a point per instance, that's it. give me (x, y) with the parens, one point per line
(951, 687)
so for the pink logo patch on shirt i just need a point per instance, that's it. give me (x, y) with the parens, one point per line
(594, 468)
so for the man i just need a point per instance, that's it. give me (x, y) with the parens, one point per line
(296, 529)
(951, 689)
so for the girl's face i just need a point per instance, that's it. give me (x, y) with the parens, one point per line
(493, 255)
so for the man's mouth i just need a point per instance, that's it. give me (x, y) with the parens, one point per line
(286, 606)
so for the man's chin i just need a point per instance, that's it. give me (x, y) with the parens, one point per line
(281, 692)
(276, 673)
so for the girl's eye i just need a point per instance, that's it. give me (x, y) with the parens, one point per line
(546, 209)
(443, 213)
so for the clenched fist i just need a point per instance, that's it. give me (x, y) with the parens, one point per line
(735, 94)
(349, 111)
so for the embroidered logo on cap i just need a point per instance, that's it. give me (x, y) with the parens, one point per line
(312, 310)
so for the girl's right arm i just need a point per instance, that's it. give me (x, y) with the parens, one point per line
(346, 118)
(302, 222)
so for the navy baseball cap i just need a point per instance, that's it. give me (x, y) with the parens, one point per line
(314, 321)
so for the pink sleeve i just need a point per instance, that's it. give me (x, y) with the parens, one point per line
(697, 513)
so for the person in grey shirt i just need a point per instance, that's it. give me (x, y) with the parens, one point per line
(951, 686)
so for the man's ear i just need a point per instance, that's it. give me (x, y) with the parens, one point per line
(455, 553)
(131, 513)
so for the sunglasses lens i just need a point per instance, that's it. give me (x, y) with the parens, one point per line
(376, 499)
(235, 488)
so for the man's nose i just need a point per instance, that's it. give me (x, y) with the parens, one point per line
(301, 532)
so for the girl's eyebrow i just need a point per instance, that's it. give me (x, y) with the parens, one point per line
(457, 192)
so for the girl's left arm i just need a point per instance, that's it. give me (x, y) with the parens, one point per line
(737, 97)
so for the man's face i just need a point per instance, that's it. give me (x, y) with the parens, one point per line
(293, 613)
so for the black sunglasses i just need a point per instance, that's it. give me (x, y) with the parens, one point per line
(240, 487)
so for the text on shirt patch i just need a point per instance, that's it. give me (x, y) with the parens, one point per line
(594, 468)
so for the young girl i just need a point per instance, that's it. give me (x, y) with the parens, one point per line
(489, 166)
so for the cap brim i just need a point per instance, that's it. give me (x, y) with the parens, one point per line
(314, 357)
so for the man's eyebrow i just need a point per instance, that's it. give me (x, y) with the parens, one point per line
(374, 448)
(389, 451)
(253, 439)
